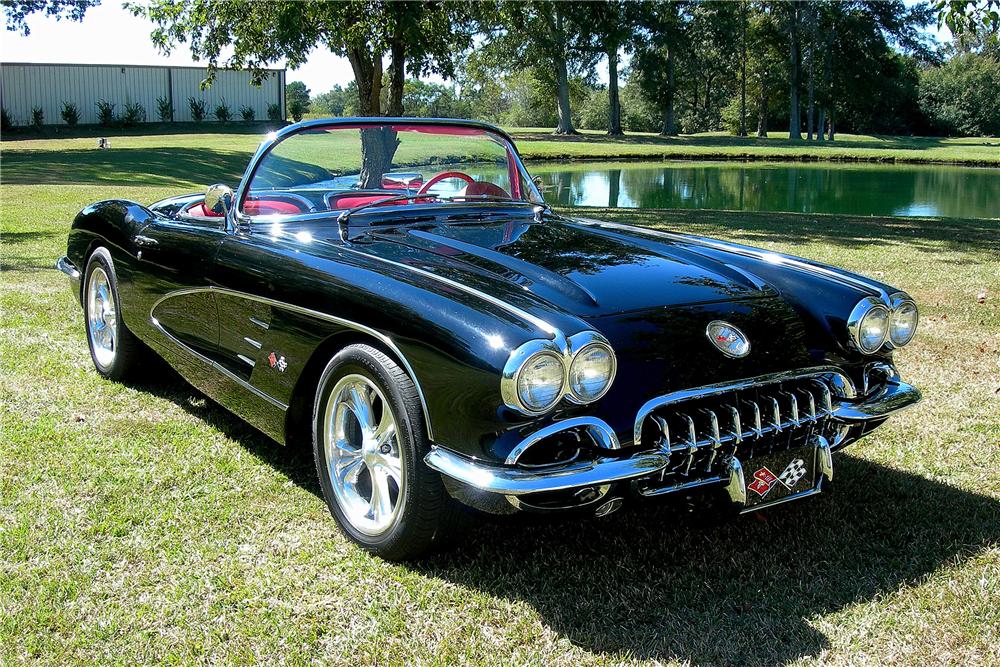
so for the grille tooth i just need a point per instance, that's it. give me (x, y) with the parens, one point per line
(826, 401)
(775, 412)
(692, 442)
(734, 414)
(810, 405)
(714, 436)
(794, 406)
(755, 412)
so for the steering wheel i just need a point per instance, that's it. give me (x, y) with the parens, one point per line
(437, 178)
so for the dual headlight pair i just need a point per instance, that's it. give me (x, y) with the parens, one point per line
(873, 324)
(540, 373)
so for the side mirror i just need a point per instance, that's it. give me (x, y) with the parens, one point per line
(219, 199)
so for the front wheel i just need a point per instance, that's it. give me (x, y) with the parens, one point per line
(369, 443)
(114, 350)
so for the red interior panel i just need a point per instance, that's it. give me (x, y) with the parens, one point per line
(270, 206)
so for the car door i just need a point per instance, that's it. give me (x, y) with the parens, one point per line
(172, 285)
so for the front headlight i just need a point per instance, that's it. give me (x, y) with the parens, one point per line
(591, 372)
(540, 381)
(868, 325)
(903, 322)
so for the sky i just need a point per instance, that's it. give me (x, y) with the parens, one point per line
(111, 35)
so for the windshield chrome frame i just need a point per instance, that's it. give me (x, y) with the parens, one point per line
(274, 138)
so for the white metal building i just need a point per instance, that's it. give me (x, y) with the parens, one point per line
(27, 85)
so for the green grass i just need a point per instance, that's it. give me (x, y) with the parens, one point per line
(229, 146)
(145, 524)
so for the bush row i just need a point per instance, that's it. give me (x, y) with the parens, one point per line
(133, 113)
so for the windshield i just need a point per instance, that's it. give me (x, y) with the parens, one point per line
(342, 167)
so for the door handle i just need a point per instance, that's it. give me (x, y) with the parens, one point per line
(145, 241)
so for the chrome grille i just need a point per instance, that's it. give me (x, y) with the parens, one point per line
(702, 430)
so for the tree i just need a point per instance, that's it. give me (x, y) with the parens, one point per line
(970, 16)
(654, 63)
(336, 101)
(16, 12)
(547, 36)
(419, 37)
(960, 96)
(296, 100)
(610, 26)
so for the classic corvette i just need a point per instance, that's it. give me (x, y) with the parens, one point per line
(397, 292)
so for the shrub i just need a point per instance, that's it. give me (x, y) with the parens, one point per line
(105, 113)
(197, 109)
(134, 114)
(247, 114)
(70, 114)
(222, 112)
(164, 110)
(37, 117)
(274, 112)
(296, 110)
(6, 122)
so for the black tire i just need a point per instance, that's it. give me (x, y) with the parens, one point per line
(427, 514)
(128, 350)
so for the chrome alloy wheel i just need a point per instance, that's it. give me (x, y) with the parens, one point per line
(363, 455)
(102, 320)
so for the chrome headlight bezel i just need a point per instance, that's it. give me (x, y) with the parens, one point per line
(855, 321)
(899, 301)
(573, 394)
(566, 349)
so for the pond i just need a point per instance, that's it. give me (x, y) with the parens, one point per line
(854, 189)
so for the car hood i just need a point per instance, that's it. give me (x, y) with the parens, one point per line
(583, 270)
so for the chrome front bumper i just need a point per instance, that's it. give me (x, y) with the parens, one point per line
(888, 397)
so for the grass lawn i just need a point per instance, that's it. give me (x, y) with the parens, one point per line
(540, 144)
(146, 524)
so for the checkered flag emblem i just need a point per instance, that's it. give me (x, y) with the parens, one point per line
(793, 473)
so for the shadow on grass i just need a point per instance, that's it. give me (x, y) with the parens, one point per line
(125, 166)
(722, 141)
(651, 583)
(970, 236)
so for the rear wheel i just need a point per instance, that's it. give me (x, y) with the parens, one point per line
(369, 445)
(114, 350)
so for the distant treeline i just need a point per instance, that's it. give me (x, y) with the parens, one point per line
(743, 67)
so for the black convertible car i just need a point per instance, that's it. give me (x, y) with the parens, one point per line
(397, 292)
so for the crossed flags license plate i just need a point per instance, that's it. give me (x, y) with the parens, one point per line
(772, 477)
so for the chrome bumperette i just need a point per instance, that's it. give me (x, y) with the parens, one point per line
(75, 278)
(820, 406)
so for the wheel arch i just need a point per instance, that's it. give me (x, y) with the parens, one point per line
(298, 419)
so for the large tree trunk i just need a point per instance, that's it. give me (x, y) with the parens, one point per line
(614, 103)
(368, 75)
(794, 119)
(833, 116)
(565, 125)
(811, 103)
(378, 145)
(397, 76)
(669, 128)
(821, 125)
(564, 112)
(743, 70)
(762, 110)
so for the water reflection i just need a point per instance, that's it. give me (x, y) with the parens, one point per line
(857, 189)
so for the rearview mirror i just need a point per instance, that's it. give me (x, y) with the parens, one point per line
(219, 199)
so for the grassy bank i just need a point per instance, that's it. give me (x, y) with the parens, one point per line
(145, 524)
(540, 144)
